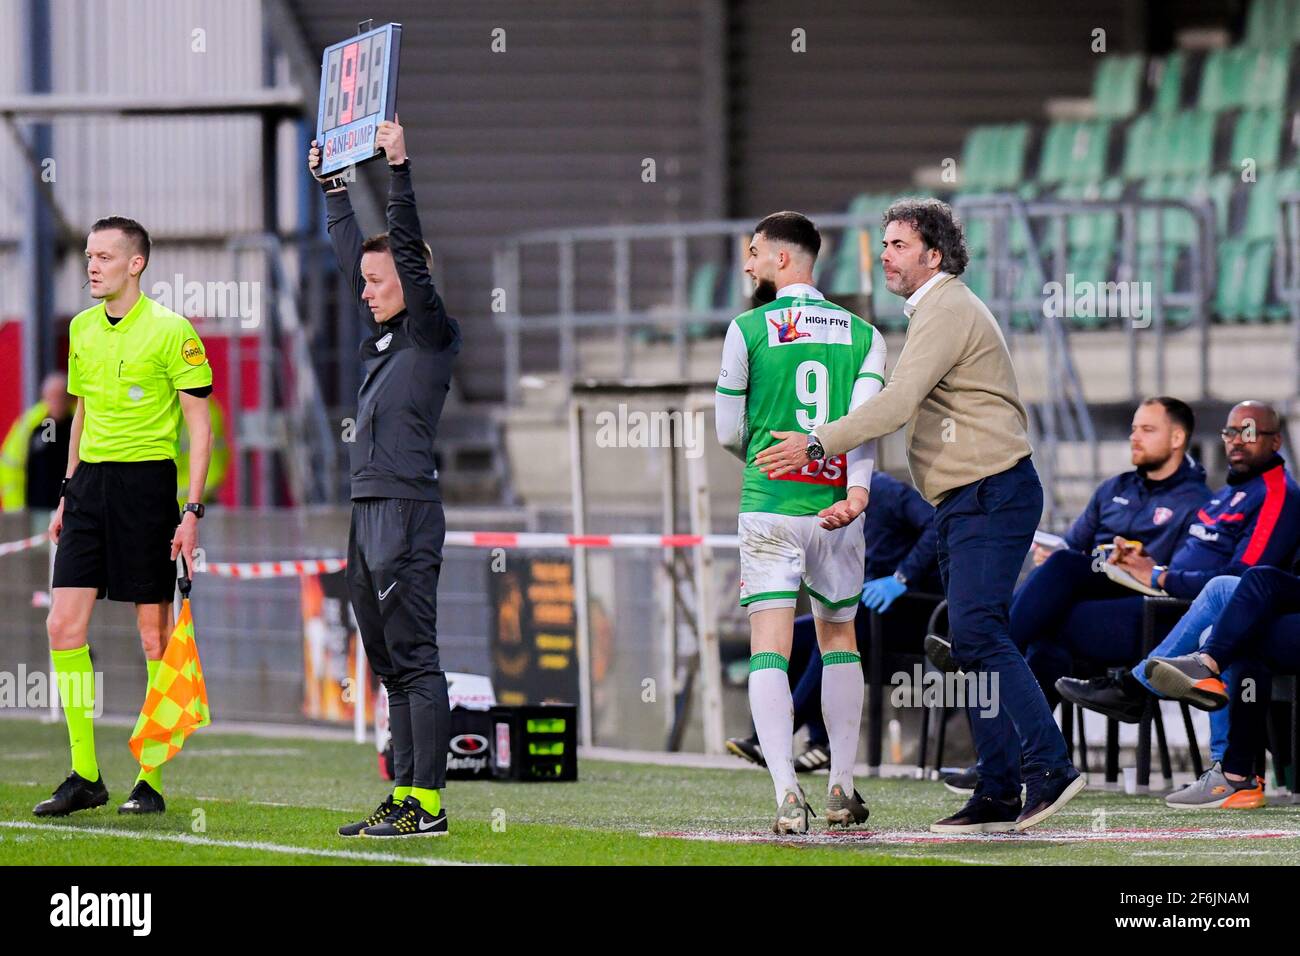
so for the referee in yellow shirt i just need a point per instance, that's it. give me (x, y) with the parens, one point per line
(136, 369)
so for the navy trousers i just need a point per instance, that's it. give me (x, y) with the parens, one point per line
(985, 530)
(1066, 611)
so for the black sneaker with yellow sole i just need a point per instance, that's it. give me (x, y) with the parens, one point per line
(410, 820)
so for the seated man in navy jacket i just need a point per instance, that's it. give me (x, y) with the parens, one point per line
(900, 563)
(1253, 520)
(1154, 504)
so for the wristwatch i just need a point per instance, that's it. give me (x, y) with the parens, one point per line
(195, 508)
(1158, 570)
(815, 450)
(901, 578)
(333, 182)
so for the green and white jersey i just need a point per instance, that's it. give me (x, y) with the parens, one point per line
(792, 365)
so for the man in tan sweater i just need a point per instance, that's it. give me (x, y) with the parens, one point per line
(955, 388)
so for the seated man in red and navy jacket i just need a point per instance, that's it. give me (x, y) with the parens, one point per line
(1254, 519)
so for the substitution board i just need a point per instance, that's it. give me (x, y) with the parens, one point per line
(358, 91)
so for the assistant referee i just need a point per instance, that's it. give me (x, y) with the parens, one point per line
(136, 369)
(398, 527)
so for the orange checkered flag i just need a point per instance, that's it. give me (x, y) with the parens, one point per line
(177, 702)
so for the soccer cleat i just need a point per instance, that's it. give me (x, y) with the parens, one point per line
(792, 815)
(143, 799)
(379, 816)
(75, 793)
(409, 819)
(816, 757)
(1122, 697)
(746, 748)
(1187, 678)
(980, 815)
(962, 782)
(1214, 791)
(845, 810)
(938, 650)
(1045, 793)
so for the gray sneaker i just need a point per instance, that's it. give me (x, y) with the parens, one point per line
(845, 809)
(1214, 791)
(792, 815)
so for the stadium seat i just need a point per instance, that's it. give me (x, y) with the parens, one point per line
(1168, 97)
(1257, 135)
(1117, 85)
(702, 294)
(1075, 151)
(1271, 21)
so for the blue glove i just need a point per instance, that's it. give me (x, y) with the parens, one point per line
(882, 592)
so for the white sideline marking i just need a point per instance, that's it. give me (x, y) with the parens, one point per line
(925, 838)
(240, 752)
(190, 840)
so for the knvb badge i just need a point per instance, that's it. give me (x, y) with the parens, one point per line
(358, 90)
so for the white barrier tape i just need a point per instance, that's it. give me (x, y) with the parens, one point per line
(455, 539)
(526, 539)
(272, 569)
(26, 544)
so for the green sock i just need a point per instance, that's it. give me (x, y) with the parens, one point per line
(400, 794)
(76, 675)
(431, 800)
(152, 777)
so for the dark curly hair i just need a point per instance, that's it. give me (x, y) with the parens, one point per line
(938, 227)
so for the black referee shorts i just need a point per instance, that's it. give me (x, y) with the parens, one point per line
(119, 518)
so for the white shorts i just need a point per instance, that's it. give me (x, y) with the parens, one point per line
(779, 552)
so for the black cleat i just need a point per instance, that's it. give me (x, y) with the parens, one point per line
(746, 748)
(938, 650)
(816, 757)
(410, 819)
(75, 793)
(381, 814)
(1122, 697)
(143, 799)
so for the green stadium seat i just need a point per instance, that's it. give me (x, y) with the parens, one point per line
(1075, 151)
(993, 157)
(1148, 145)
(1257, 135)
(1168, 96)
(1245, 269)
(1244, 76)
(1117, 85)
(702, 294)
(1193, 143)
(1270, 21)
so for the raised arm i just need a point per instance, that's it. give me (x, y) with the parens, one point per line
(430, 324)
(341, 221)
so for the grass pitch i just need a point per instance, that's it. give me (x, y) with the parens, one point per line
(237, 799)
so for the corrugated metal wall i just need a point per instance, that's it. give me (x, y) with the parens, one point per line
(551, 131)
(885, 88)
(183, 177)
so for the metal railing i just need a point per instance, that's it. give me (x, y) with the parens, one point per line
(1063, 415)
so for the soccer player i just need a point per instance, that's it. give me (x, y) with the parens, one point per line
(795, 362)
(398, 527)
(969, 454)
(136, 369)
